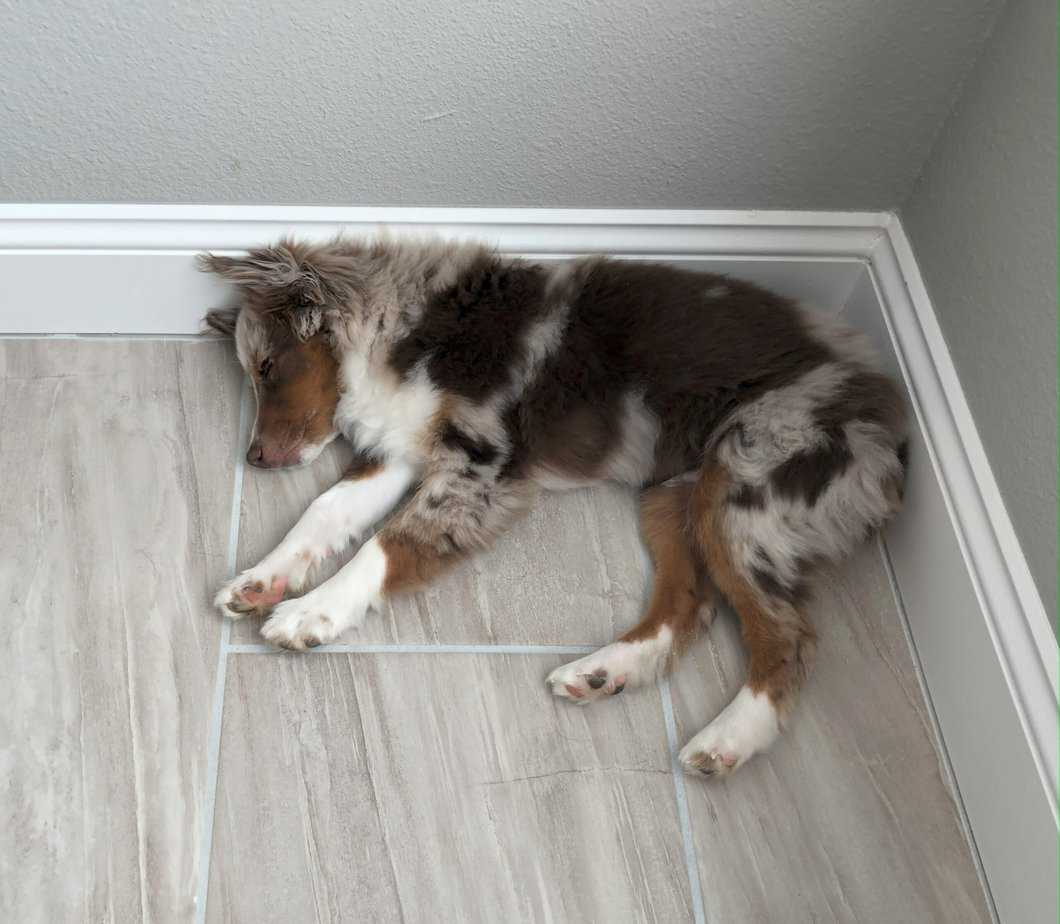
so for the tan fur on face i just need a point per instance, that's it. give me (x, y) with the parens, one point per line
(298, 396)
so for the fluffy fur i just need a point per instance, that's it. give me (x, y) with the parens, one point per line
(762, 435)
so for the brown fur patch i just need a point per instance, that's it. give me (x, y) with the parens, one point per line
(679, 585)
(470, 333)
(868, 396)
(297, 394)
(806, 474)
(652, 329)
(410, 564)
(363, 466)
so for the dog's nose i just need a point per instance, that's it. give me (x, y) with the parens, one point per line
(256, 454)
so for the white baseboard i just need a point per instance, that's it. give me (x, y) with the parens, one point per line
(981, 631)
(975, 618)
(130, 268)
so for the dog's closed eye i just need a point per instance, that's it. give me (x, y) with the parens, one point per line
(265, 368)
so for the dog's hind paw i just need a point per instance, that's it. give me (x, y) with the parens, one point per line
(747, 726)
(608, 671)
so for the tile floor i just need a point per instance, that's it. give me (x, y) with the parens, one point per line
(420, 772)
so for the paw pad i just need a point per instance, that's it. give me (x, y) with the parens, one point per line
(711, 764)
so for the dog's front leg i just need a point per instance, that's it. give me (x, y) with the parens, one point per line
(450, 516)
(342, 514)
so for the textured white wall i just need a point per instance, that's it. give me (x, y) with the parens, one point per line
(982, 221)
(654, 103)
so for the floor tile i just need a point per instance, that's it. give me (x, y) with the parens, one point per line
(114, 520)
(849, 817)
(439, 787)
(572, 571)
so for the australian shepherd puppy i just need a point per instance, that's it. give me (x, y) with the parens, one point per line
(762, 438)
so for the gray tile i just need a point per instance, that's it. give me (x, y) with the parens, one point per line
(848, 817)
(114, 511)
(441, 787)
(571, 572)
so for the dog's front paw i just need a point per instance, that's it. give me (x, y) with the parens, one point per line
(305, 622)
(251, 592)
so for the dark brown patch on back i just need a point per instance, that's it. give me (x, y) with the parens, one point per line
(661, 327)
(652, 329)
(686, 425)
(868, 396)
(806, 475)
(470, 334)
(576, 444)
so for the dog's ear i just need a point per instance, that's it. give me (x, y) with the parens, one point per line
(262, 270)
(295, 280)
(223, 320)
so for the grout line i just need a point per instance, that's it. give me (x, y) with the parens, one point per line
(940, 743)
(370, 648)
(213, 759)
(691, 864)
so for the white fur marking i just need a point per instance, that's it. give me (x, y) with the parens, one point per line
(612, 668)
(748, 725)
(335, 606)
(379, 412)
(634, 459)
(337, 517)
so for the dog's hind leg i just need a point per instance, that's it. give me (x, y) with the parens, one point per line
(341, 515)
(768, 590)
(681, 598)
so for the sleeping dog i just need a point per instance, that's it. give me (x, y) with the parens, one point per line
(761, 436)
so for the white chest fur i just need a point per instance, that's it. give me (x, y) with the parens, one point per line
(382, 413)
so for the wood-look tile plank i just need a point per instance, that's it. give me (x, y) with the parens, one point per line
(849, 817)
(439, 787)
(571, 572)
(114, 508)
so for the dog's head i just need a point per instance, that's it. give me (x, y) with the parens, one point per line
(279, 324)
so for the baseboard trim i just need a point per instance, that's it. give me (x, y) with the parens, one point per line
(1018, 621)
(980, 629)
(544, 231)
(128, 270)
(151, 249)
